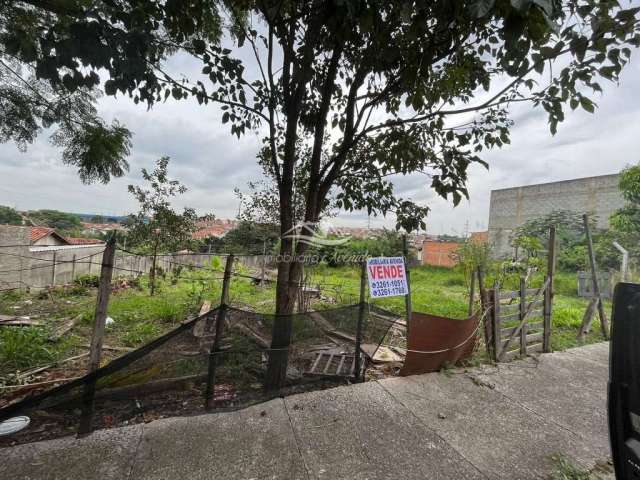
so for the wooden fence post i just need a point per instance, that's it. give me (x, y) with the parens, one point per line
(263, 267)
(495, 322)
(549, 292)
(361, 307)
(472, 293)
(215, 348)
(521, 315)
(407, 297)
(97, 336)
(53, 269)
(604, 323)
(486, 314)
(73, 268)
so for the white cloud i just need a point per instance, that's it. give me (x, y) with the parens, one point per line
(211, 162)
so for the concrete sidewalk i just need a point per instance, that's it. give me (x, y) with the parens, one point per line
(494, 422)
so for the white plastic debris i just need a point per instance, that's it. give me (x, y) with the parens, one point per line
(109, 321)
(13, 425)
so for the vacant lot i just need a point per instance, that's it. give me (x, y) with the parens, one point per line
(138, 317)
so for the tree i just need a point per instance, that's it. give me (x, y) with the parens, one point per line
(29, 104)
(50, 56)
(98, 219)
(625, 223)
(9, 216)
(250, 238)
(157, 227)
(372, 86)
(62, 221)
(627, 219)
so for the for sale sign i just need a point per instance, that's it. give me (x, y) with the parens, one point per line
(387, 277)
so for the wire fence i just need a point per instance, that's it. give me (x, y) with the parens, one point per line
(204, 363)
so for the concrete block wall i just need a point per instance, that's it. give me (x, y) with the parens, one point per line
(23, 266)
(14, 246)
(511, 207)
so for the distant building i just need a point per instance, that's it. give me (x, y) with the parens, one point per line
(512, 207)
(100, 228)
(216, 228)
(48, 237)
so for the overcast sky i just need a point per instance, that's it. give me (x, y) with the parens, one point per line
(211, 162)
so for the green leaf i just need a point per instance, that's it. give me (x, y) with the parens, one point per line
(587, 104)
(480, 8)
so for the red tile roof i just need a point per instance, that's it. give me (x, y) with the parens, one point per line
(40, 232)
(214, 231)
(83, 241)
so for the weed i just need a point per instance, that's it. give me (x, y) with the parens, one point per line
(87, 280)
(139, 334)
(565, 469)
(24, 347)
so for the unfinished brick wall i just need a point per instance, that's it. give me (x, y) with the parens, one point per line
(439, 254)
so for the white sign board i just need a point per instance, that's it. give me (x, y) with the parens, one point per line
(387, 277)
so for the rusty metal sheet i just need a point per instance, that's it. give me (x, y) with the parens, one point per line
(434, 341)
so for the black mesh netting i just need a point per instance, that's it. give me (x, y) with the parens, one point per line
(169, 376)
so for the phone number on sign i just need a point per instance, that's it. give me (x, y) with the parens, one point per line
(388, 287)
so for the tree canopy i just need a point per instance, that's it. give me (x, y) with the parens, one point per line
(9, 216)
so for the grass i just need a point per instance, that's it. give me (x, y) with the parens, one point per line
(139, 317)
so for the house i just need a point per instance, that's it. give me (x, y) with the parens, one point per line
(217, 228)
(46, 237)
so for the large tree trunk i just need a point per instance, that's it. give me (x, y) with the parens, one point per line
(287, 287)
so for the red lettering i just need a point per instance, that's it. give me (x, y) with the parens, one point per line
(372, 272)
(400, 271)
(379, 271)
(386, 270)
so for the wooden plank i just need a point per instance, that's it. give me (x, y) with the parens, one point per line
(495, 322)
(522, 322)
(534, 337)
(315, 364)
(338, 370)
(536, 313)
(64, 328)
(536, 303)
(510, 317)
(508, 295)
(510, 308)
(548, 294)
(326, 367)
(536, 326)
(523, 313)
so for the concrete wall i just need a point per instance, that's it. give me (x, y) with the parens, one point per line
(25, 266)
(512, 207)
(14, 242)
